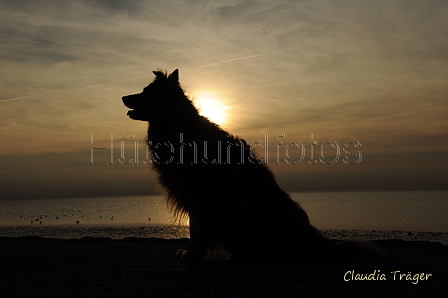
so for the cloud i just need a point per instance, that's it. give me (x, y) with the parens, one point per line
(373, 71)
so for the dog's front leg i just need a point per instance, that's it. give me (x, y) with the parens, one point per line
(197, 247)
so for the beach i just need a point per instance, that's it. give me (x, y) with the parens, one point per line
(125, 247)
(146, 267)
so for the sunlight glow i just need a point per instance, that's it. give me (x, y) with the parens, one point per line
(212, 107)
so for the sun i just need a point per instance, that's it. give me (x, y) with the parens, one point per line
(212, 107)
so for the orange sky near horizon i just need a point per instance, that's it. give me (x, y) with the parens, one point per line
(336, 73)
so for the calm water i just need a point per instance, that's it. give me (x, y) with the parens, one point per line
(408, 213)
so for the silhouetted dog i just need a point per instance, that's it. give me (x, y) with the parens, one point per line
(230, 196)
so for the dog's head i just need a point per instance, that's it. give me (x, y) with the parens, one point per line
(156, 98)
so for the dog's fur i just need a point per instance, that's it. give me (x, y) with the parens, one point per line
(230, 196)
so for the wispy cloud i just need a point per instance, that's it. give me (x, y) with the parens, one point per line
(246, 57)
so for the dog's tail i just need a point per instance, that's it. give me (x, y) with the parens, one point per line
(357, 249)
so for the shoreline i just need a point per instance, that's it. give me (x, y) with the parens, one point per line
(146, 267)
(175, 232)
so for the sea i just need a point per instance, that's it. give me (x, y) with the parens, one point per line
(372, 215)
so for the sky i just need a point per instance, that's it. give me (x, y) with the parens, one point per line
(333, 94)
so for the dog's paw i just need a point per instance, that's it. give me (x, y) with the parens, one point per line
(180, 253)
(186, 255)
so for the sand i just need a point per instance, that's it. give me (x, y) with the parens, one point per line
(133, 267)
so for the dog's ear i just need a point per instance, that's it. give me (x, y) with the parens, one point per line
(174, 77)
(159, 74)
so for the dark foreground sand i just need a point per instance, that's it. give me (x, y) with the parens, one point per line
(39, 267)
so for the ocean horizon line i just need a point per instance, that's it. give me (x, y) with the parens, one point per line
(287, 191)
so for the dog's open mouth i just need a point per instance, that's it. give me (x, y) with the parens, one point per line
(137, 115)
(136, 112)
